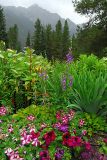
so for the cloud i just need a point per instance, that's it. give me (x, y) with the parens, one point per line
(63, 7)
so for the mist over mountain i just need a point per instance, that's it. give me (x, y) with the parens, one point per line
(25, 19)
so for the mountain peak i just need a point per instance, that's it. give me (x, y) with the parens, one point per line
(26, 17)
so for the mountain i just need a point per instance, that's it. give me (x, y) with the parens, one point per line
(25, 19)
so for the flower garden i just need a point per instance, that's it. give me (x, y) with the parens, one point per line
(52, 111)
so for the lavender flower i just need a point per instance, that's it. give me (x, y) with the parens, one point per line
(69, 58)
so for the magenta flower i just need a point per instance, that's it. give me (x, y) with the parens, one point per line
(44, 155)
(63, 128)
(87, 145)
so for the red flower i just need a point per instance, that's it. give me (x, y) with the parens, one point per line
(49, 137)
(66, 137)
(44, 155)
(71, 141)
(35, 135)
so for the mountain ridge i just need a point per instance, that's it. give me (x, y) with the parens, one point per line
(25, 19)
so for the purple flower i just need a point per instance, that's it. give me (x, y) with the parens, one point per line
(59, 154)
(70, 81)
(63, 128)
(43, 75)
(64, 82)
(69, 58)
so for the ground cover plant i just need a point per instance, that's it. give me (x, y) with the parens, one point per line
(52, 111)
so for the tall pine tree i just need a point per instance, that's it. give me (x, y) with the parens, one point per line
(66, 41)
(28, 40)
(13, 38)
(58, 40)
(43, 41)
(37, 37)
(3, 34)
(49, 41)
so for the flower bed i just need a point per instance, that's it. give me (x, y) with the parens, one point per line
(65, 135)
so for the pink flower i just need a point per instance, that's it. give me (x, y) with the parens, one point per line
(35, 142)
(3, 111)
(84, 132)
(81, 122)
(10, 129)
(25, 139)
(9, 152)
(31, 118)
(65, 119)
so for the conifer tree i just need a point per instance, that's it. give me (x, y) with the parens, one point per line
(58, 40)
(28, 40)
(3, 34)
(13, 38)
(37, 37)
(66, 41)
(43, 41)
(49, 41)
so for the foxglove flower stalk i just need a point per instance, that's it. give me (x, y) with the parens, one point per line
(69, 58)
(70, 81)
(63, 82)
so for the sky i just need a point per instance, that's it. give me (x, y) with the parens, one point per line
(64, 8)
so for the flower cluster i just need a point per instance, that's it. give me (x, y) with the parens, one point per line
(32, 138)
(12, 155)
(42, 138)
